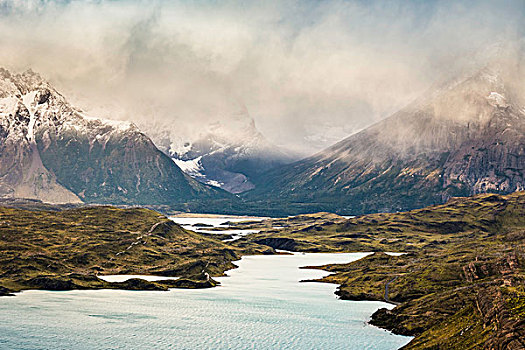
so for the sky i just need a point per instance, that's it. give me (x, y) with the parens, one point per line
(308, 72)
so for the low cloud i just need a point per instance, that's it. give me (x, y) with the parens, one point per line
(308, 72)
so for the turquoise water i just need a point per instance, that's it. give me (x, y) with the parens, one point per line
(261, 305)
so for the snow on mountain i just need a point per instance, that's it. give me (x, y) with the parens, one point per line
(228, 152)
(22, 173)
(52, 151)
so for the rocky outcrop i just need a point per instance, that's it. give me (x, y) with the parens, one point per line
(52, 283)
(5, 292)
(278, 243)
(194, 284)
(484, 313)
(495, 307)
(509, 330)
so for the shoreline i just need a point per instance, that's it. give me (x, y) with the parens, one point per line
(465, 252)
(215, 216)
(156, 283)
(144, 282)
(264, 293)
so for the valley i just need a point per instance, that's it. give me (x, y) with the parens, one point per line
(240, 175)
(459, 270)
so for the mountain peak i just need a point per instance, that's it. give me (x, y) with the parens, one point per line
(52, 151)
(227, 152)
(21, 84)
(465, 137)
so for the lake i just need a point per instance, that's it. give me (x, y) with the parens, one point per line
(261, 305)
(216, 222)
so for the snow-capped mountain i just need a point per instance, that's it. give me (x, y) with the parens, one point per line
(463, 138)
(229, 153)
(51, 151)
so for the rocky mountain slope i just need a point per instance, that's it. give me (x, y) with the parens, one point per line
(51, 151)
(463, 138)
(229, 153)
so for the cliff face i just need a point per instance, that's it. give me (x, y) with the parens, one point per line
(493, 160)
(22, 173)
(464, 138)
(53, 152)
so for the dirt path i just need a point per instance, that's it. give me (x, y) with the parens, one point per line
(387, 299)
(139, 238)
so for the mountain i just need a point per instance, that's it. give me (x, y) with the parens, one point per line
(51, 151)
(229, 153)
(466, 137)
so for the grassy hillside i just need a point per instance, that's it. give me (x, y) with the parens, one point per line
(461, 284)
(67, 249)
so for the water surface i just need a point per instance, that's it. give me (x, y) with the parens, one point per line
(124, 278)
(219, 222)
(260, 306)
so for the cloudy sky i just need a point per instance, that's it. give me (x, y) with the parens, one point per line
(308, 72)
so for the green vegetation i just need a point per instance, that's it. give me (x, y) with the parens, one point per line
(61, 250)
(460, 284)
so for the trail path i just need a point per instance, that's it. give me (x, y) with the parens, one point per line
(137, 241)
(387, 299)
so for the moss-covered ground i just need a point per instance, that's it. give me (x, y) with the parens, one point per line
(460, 283)
(67, 249)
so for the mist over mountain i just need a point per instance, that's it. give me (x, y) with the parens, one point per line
(462, 138)
(310, 73)
(229, 153)
(51, 151)
(226, 91)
